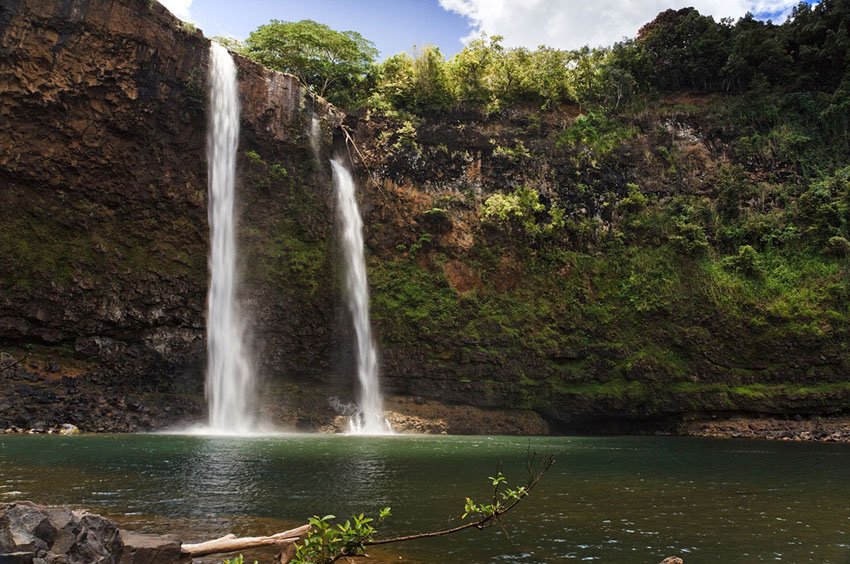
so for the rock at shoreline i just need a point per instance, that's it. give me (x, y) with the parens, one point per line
(57, 535)
(36, 534)
(819, 429)
(149, 549)
(68, 429)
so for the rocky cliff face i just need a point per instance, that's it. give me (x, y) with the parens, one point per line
(103, 203)
(517, 266)
(104, 242)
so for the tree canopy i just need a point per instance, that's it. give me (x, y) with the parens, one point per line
(332, 63)
(680, 50)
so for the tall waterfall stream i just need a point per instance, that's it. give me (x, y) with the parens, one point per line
(230, 378)
(370, 419)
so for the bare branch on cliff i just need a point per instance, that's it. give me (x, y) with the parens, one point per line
(349, 142)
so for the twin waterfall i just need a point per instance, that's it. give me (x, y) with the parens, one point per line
(370, 420)
(230, 377)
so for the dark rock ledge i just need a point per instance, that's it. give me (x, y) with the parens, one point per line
(37, 534)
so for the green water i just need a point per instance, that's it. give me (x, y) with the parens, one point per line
(607, 499)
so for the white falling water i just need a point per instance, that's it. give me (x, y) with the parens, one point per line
(315, 135)
(370, 420)
(230, 383)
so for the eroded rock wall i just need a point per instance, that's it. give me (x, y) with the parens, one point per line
(103, 212)
(603, 324)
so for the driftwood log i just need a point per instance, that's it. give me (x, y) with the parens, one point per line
(232, 543)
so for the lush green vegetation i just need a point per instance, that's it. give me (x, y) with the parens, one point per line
(680, 50)
(665, 218)
(331, 62)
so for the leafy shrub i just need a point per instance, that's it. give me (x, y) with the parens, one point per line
(595, 135)
(838, 247)
(733, 190)
(824, 208)
(746, 262)
(517, 152)
(635, 202)
(264, 173)
(406, 137)
(236, 560)
(522, 210)
(689, 239)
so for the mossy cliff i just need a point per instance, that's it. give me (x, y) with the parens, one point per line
(662, 262)
(656, 263)
(103, 216)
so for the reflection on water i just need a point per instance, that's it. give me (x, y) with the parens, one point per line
(607, 499)
(217, 472)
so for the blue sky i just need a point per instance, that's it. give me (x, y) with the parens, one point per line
(393, 25)
(397, 25)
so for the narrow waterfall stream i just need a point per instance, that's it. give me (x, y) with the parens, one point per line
(230, 380)
(315, 135)
(370, 420)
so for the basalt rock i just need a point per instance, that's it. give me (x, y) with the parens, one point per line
(57, 535)
(103, 212)
(37, 534)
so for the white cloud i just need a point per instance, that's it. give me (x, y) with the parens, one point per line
(179, 8)
(569, 24)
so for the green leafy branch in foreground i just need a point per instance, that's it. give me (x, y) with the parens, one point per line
(328, 541)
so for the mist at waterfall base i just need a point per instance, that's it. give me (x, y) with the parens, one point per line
(230, 378)
(230, 382)
(370, 420)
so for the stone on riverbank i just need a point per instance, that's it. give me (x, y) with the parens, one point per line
(57, 535)
(36, 534)
(149, 549)
(68, 429)
(798, 429)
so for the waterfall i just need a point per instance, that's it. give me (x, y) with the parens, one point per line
(315, 135)
(370, 420)
(229, 386)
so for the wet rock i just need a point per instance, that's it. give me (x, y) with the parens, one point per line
(69, 429)
(57, 535)
(821, 429)
(126, 85)
(36, 534)
(149, 549)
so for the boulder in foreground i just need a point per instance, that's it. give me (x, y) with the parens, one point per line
(35, 534)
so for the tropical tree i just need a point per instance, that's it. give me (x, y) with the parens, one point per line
(332, 63)
(470, 70)
(686, 49)
(430, 81)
